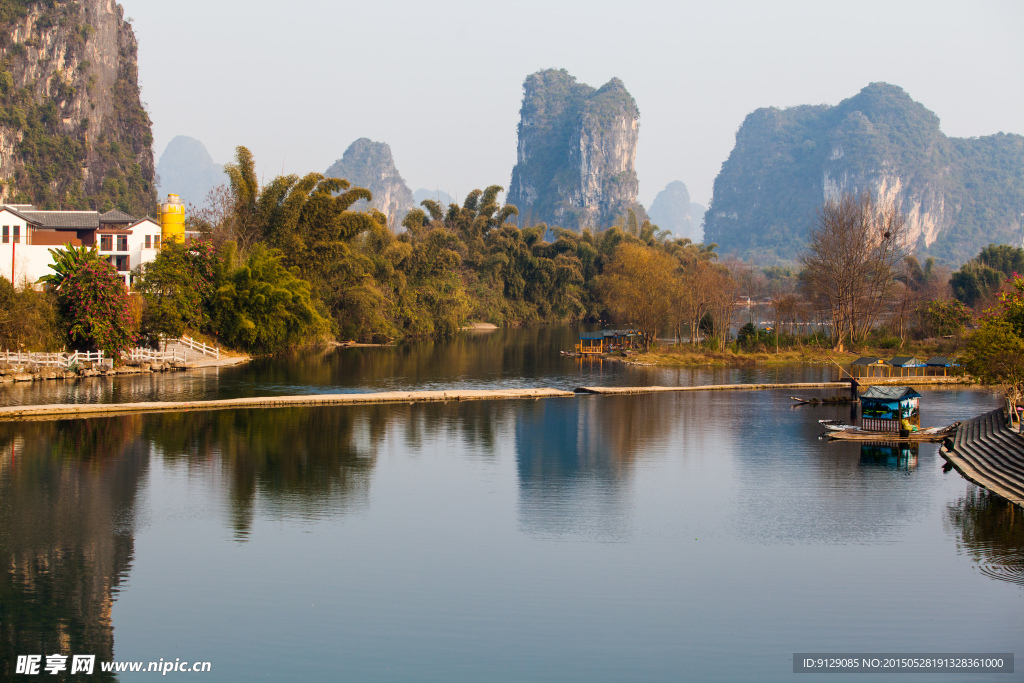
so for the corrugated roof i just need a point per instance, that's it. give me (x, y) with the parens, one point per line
(878, 393)
(116, 216)
(941, 361)
(905, 362)
(866, 360)
(592, 335)
(81, 220)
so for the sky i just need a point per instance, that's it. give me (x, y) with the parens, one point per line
(441, 81)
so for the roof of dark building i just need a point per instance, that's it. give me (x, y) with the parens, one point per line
(941, 361)
(878, 393)
(591, 335)
(866, 360)
(65, 219)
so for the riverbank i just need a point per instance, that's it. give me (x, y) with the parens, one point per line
(685, 356)
(11, 373)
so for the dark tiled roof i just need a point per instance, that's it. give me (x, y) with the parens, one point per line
(889, 393)
(116, 216)
(867, 360)
(65, 219)
(941, 361)
(905, 362)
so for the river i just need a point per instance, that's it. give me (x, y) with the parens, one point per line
(698, 536)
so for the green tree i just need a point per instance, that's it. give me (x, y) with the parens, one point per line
(177, 286)
(263, 307)
(28, 319)
(92, 301)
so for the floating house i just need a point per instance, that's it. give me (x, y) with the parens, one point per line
(883, 408)
(604, 341)
(590, 343)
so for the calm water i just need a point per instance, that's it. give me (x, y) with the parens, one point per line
(666, 537)
(502, 358)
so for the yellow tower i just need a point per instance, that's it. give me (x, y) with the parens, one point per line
(172, 219)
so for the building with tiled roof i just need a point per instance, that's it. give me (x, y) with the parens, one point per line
(27, 235)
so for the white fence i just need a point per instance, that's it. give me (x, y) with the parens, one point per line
(57, 360)
(151, 356)
(199, 347)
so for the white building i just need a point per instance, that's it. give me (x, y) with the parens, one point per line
(27, 235)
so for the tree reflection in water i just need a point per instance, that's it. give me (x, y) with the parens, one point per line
(68, 493)
(991, 531)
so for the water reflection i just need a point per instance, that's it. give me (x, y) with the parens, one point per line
(295, 461)
(68, 495)
(505, 358)
(891, 456)
(991, 531)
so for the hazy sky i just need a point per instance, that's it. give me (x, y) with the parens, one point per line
(441, 81)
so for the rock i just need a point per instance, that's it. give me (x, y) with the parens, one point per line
(77, 76)
(146, 367)
(959, 194)
(187, 170)
(49, 374)
(672, 210)
(576, 154)
(22, 377)
(369, 164)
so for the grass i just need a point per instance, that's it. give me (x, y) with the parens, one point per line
(689, 356)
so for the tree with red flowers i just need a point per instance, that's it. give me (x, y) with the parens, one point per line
(92, 301)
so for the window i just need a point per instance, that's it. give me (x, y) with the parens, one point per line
(156, 241)
(122, 242)
(6, 234)
(106, 243)
(17, 233)
(121, 263)
(149, 241)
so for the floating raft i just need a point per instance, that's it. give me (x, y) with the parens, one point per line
(986, 451)
(893, 437)
(79, 410)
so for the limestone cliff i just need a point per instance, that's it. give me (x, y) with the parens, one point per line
(73, 132)
(959, 194)
(369, 164)
(576, 154)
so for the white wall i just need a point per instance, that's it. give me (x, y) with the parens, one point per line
(31, 262)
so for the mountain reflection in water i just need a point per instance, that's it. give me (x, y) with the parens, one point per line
(611, 537)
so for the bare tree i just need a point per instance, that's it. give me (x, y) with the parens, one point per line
(851, 263)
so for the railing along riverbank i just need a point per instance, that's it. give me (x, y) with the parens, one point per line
(987, 452)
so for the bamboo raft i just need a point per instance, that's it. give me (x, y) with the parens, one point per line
(893, 437)
(987, 452)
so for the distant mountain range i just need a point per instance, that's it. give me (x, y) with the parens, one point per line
(959, 194)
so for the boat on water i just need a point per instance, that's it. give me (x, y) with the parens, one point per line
(847, 432)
